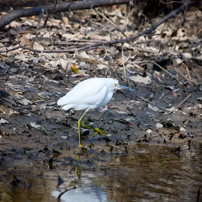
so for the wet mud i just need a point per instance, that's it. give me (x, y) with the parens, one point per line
(39, 139)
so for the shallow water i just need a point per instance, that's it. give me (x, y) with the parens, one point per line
(146, 173)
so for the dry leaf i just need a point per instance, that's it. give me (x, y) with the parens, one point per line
(25, 101)
(187, 55)
(64, 64)
(94, 36)
(38, 46)
(65, 20)
(74, 69)
(25, 41)
(102, 66)
(6, 110)
(68, 36)
(84, 55)
(55, 20)
(140, 79)
(15, 24)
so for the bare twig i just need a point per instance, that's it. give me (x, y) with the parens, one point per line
(153, 104)
(123, 63)
(164, 70)
(9, 50)
(56, 2)
(160, 68)
(188, 72)
(70, 188)
(110, 22)
(184, 76)
(180, 103)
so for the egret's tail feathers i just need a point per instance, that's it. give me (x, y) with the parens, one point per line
(67, 107)
(62, 101)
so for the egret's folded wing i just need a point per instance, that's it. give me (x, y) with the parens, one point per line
(84, 95)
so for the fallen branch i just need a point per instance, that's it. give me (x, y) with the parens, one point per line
(77, 5)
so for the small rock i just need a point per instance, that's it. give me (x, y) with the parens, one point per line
(159, 125)
(183, 131)
(2, 121)
(152, 107)
(34, 125)
(179, 61)
(25, 101)
(64, 137)
(149, 131)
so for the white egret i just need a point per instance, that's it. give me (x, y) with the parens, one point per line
(89, 94)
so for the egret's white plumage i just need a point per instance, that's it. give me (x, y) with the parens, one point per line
(89, 94)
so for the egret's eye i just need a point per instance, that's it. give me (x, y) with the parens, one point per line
(116, 85)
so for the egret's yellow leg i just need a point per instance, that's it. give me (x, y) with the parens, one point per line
(96, 129)
(79, 128)
(76, 171)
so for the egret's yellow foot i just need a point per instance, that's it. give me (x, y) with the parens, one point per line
(96, 129)
(81, 121)
(99, 131)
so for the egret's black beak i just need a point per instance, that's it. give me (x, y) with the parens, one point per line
(124, 87)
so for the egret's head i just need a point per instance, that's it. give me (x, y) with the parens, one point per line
(113, 84)
(117, 87)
